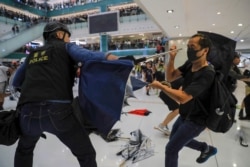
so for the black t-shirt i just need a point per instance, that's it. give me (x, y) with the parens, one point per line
(233, 75)
(198, 85)
(148, 75)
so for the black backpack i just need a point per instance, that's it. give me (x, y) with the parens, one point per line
(222, 106)
(9, 127)
(222, 101)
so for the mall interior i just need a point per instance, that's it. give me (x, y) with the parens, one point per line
(138, 28)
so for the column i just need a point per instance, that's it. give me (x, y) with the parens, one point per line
(104, 36)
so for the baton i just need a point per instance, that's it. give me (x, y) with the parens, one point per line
(148, 57)
(161, 54)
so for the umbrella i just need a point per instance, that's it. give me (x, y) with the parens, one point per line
(222, 52)
(101, 92)
(137, 83)
(141, 112)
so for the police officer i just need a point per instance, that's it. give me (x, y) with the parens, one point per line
(46, 79)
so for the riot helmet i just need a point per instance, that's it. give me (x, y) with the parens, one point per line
(53, 27)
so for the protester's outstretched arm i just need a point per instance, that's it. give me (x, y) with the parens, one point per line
(177, 94)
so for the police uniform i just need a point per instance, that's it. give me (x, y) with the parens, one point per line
(46, 79)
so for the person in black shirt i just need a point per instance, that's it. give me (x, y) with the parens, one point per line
(148, 75)
(198, 79)
(236, 74)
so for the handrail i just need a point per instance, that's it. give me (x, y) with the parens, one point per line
(12, 44)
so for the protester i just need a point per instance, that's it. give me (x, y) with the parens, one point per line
(46, 79)
(235, 74)
(195, 86)
(148, 75)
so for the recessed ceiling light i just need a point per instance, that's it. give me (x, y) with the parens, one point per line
(180, 35)
(240, 24)
(170, 11)
(218, 13)
(177, 26)
(232, 32)
(213, 24)
(242, 40)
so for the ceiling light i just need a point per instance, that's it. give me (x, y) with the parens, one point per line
(176, 26)
(240, 25)
(170, 11)
(180, 35)
(234, 165)
(232, 32)
(213, 24)
(242, 40)
(218, 13)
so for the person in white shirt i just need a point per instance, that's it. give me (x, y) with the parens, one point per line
(4, 71)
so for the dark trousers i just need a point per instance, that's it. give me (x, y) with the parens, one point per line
(182, 134)
(58, 119)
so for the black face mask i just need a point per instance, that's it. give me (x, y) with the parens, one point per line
(191, 54)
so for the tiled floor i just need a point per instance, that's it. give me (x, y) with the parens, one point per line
(51, 152)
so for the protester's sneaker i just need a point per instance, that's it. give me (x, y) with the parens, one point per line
(206, 154)
(163, 129)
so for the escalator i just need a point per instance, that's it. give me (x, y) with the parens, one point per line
(9, 45)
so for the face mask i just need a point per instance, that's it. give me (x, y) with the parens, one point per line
(191, 54)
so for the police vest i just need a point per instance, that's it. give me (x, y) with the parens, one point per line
(49, 74)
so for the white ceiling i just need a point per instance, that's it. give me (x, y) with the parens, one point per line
(201, 15)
